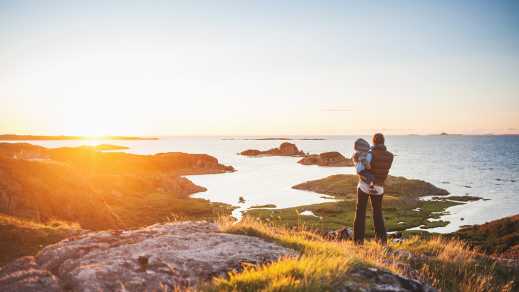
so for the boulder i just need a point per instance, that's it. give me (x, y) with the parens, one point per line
(345, 233)
(376, 280)
(156, 258)
(333, 158)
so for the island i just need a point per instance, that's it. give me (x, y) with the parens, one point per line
(285, 149)
(13, 137)
(110, 147)
(331, 159)
(403, 207)
(275, 139)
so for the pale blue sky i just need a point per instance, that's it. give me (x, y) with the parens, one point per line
(259, 67)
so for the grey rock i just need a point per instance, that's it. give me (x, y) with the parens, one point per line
(173, 255)
(345, 233)
(375, 280)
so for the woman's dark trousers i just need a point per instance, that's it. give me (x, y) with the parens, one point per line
(360, 217)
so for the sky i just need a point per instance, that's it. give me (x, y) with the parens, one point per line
(259, 67)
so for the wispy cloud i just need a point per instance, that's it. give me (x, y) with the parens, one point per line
(339, 109)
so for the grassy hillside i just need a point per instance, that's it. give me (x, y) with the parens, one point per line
(449, 265)
(20, 237)
(495, 237)
(102, 190)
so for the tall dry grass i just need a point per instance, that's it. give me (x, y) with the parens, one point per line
(448, 265)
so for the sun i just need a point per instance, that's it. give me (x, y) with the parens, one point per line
(88, 120)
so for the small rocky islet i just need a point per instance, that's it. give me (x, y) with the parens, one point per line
(285, 149)
(331, 159)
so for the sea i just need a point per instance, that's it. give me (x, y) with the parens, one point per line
(484, 166)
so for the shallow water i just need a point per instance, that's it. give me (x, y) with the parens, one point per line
(486, 166)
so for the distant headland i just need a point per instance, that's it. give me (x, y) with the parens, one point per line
(13, 137)
(275, 139)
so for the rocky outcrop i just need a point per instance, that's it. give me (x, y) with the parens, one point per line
(174, 255)
(345, 233)
(334, 159)
(285, 149)
(376, 280)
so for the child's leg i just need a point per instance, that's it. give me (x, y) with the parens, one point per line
(370, 178)
(367, 177)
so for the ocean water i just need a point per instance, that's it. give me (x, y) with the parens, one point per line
(485, 166)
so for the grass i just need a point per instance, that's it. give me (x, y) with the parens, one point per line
(19, 237)
(449, 265)
(263, 206)
(496, 237)
(334, 215)
(465, 198)
(162, 207)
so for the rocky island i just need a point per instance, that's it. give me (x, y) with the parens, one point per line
(285, 149)
(332, 159)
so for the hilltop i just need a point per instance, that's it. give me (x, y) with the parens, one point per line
(251, 256)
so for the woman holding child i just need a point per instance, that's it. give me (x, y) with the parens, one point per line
(372, 164)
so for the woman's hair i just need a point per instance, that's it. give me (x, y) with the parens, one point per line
(378, 139)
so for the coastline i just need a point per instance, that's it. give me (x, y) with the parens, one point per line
(12, 137)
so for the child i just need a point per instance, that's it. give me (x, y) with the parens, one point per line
(362, 158)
